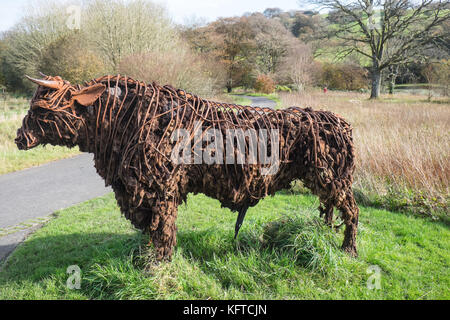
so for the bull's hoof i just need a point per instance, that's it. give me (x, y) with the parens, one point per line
(164, 254)
(351, 251)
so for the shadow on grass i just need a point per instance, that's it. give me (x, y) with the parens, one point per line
(45, 256)
(293, 242)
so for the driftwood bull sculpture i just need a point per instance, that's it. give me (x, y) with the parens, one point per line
(155, 144)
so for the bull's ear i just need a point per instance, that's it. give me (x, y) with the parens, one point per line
(87, 96)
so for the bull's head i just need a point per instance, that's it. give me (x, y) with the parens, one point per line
(58, 113)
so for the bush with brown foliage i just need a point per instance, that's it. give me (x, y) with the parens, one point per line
(264, 84)
(344, 76)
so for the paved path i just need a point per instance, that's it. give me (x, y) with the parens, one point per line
(261, 102)
(29, 197)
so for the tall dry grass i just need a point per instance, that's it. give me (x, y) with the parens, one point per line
(402, 142)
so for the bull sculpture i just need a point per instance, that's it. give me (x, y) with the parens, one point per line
(133, 130)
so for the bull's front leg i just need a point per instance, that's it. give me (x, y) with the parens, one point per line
(163, 231)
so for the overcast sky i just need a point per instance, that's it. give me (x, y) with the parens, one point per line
(180, 10)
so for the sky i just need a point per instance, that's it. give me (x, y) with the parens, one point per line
(181, 11)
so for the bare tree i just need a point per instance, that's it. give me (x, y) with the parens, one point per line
(121, 28)
(299, 65)
(370, 27)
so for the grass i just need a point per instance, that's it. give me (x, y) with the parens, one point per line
(12, 107)
(12, 110)
(237, 99)
(283, 252)
(13, 159)
(402, 144)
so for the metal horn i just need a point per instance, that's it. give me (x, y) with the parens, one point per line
(46, 83)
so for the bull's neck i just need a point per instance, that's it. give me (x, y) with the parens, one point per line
(101, 123)
(86, 131)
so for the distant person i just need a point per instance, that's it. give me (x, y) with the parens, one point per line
(325, 89)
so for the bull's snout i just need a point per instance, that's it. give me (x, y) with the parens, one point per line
(20, 140)
(25, 141)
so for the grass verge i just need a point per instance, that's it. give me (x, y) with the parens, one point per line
(283, 252)
(237, 99)
(13, 159)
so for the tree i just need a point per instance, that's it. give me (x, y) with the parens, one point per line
(272, 12)
(230, 43)
(69, 57)
(2, 76)
(387, 32)
(25, 43)
(235, 45)
(437, 74)
(121, 28)
(272, 42)
(305, 24)
(393, 71)
(299, 66)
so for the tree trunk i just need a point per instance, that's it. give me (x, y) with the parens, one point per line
(393, 72)
(376, 84)
(391, 85)
(229, 85)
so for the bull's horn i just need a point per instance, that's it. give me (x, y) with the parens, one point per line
(46, 83)
(43, 75)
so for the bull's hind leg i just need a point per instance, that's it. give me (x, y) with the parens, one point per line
(163, 230)
(350, 212)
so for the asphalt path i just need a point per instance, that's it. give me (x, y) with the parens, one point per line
(29, 197)
(261, 102)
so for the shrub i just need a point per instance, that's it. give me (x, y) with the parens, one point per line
(264, 84)
(344, 76)
(181, 69)
(279, 88)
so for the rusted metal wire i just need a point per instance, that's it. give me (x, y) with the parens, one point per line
(129, 128)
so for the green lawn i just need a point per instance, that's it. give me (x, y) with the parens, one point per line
(237, 99)
(283, 252)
